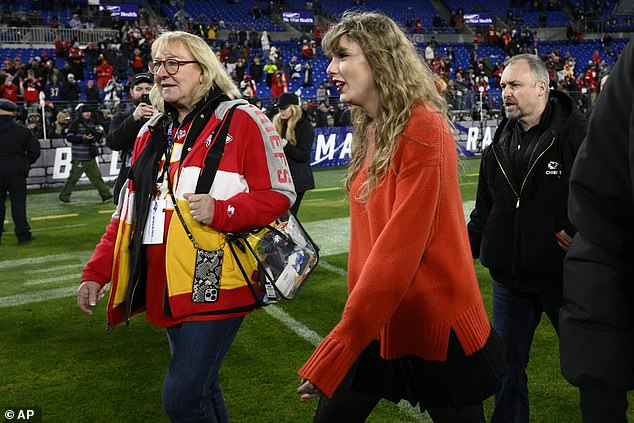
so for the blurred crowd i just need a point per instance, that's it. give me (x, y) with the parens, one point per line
(98, 74)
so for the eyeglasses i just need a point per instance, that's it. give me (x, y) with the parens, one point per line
(171, 66)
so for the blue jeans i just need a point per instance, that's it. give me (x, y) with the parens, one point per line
(191, 391)
(515, 317)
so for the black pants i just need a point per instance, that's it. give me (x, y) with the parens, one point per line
(348, 406)
(603, 404)
(15, 185)
(298, 200)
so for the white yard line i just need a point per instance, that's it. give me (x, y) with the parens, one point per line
(43, 281)
(38, 296)
(299, 328)
(82, 256)
(78, 266)
(334, 269)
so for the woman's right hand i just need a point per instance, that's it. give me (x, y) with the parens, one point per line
(307, 390)
(89, 294)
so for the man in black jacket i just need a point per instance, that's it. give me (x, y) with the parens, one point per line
(19, 149)
(519, 228)
(126, 125)
(597, 322)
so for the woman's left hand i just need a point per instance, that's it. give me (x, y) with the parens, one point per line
(201, 207)
(307, 390)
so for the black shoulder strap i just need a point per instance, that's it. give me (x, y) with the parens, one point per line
(214, 155)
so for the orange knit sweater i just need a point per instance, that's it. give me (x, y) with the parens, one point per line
(410, 273)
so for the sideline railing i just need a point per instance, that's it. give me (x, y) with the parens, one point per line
(46, 35)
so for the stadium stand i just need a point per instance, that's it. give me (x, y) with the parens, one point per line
(472, 64)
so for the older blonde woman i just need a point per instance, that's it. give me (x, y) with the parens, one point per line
(172, 208)
(414, 326)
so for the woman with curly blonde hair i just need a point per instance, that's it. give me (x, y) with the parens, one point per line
(414, 326)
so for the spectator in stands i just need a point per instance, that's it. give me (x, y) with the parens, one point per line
(20, 67)
(462, 91)
(201, 324)
(523, 185)
(309, 112)
(321, 95)
(62, 45)
(506, 41)
(126, 125)
(429, 54)
(418, 26)
(137, 63)
(72, 90)
(19, 149)
(596, 332)
(232, 36)
(9, 90)
(91, 92)
(491, 37)
(65, 71)
(84, 136)
(279, 61)
(414, 329)
(253, 38)
(256, 68)
(242, 36)
(34, 124)
(49, 117)
(104, 73)
(112, 91)
(211, 32)
(61, 124)
(265, 42)
(39, 71)
(75, 23)
(120, 65)
(227, 53)
(54, 24)
(248, 87)
(319, 30)
(269, 70)
(298, 137)
(91, 53)
(437, 22)
(295, 68)
(307, 75)
(8, 67)
(31, 88)
(307, 52)
(240, 70)
(321, 115)
(244, 51)
(342, 115)
(279, 84)
(76, 59)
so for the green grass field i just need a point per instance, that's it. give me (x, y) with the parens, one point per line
(54, 357)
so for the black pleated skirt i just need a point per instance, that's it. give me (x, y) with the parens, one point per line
(457, 382)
